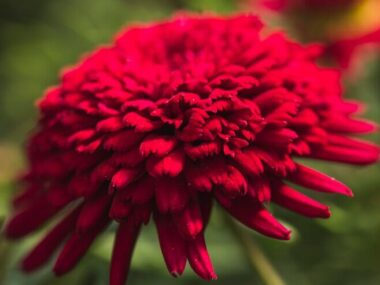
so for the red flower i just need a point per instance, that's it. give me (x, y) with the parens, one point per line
(171, 117)
(279, 5)
(345, 51)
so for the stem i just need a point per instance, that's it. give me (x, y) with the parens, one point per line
(254, 254)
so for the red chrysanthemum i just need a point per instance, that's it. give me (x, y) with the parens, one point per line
(172, 117)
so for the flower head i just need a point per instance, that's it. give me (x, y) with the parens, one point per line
(168, 119)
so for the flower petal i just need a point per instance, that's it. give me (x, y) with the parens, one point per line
(199, 258)
(295, 201)
(122, 252)
(173, 247)
(317, 181)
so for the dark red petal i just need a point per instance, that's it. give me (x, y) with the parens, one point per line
(295, 201)
(189, 221)
(276, 138)
(44, 250)
(253, 214)
(203, 150)
(346, 125)
(315, 180)
(123, 178)
(216, 172)
(93, 210)
(112, 124)
(173, 246)
(170, 165)
(122, 252)
(249, 162)
(119, 210)
(75, 248)
(199, 258)
(29, 219)
(171, 194)
(122, 141)
(157, 145)
(140, 123)
(139, 192)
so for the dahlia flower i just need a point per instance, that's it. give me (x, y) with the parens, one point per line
(170, 118)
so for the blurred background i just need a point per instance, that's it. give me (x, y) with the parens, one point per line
(39, 37)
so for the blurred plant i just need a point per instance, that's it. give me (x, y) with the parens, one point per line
(346, 26)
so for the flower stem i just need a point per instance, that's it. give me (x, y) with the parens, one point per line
(254, 254)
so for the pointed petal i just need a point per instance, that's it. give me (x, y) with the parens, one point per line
(318, 181)
(341, 124)
(295, 201)
(253, 214)
(44, 250)
(29, 219)
(122, 252)
(199, 258)
(346, 155)
(172, 245)
(75, 248)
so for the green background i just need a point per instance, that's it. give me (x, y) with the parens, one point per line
(39, 37)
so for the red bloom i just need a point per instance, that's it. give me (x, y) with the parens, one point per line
(279, 5)
(345, 50)
(171, 117)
